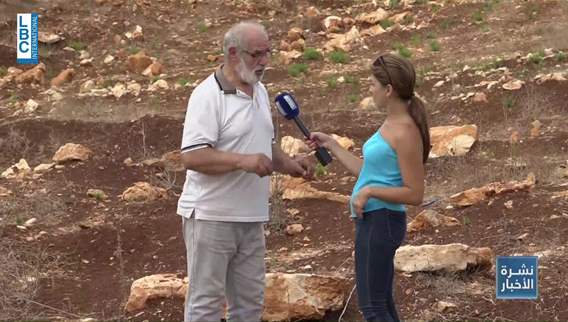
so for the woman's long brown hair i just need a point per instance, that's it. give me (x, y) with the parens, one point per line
(400, 74)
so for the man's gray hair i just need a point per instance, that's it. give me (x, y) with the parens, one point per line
(235, 37)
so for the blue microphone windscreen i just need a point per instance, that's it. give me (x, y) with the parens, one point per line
(287, 106)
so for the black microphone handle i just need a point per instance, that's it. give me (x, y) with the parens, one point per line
(322, 154)
(302, 127)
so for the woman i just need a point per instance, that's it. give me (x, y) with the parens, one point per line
(390, 175)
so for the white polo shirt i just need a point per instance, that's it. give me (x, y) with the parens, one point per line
(224, 118)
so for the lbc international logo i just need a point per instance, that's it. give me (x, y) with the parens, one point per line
(27, 34)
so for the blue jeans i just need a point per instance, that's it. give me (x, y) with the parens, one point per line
(378, 235)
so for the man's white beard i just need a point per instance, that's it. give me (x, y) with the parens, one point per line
(246, 75)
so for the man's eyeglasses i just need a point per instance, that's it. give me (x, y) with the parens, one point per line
(258, 54)
(380, 62)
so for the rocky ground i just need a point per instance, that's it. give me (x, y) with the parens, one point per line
(90, 175)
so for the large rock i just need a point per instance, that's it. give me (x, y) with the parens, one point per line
(302, 296)
(294, 34)
(343, 42)
(65, 76)
(287, 57)
(72, 152)
(298, 188)
(83, 54)
(560, 195)
(373, 31)
(285, 46)
(4, 192)
(18, 171)
(136, 34)
(399, 18)
(44, 167)
(558, 76)
(312, 12)
(298, 45)
(31, 106)
(291, 145)
(48, 37)
(5, 81)
(108, 59)
(87, 86)
(513, 85)
(476, 195)
(34, 75)
(480, 98)
(143, 192)
(139, 62)
(333, 24)
(287, 296)
(11, 73)
(428, 219)
(452, 140)
(154, 287)
(294, 229)
(348, 22)
(372, 17)
(535, 129)
(443, 306)
(154, 70)
(118, 90)
(451, 258)
(158, 85)
(134, 88)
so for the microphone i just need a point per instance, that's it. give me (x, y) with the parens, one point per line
(288, 107)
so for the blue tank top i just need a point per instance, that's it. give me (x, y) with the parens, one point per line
(380, 169)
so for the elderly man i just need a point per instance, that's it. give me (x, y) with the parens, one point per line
(229, 151)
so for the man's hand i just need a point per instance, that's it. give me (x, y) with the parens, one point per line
(301, 166)
(256, 163)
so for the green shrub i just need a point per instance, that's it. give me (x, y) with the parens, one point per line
(296, 70)
(312, 54)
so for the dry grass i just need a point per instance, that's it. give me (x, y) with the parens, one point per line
(454, 174)
(278, 214)
(444, 284)
(13, 145)
(498, 159)
(534, 105)
(124, 281)
(17, 209)
(169, 180)
(23, 265)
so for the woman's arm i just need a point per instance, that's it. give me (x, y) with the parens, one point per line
(349, 161)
